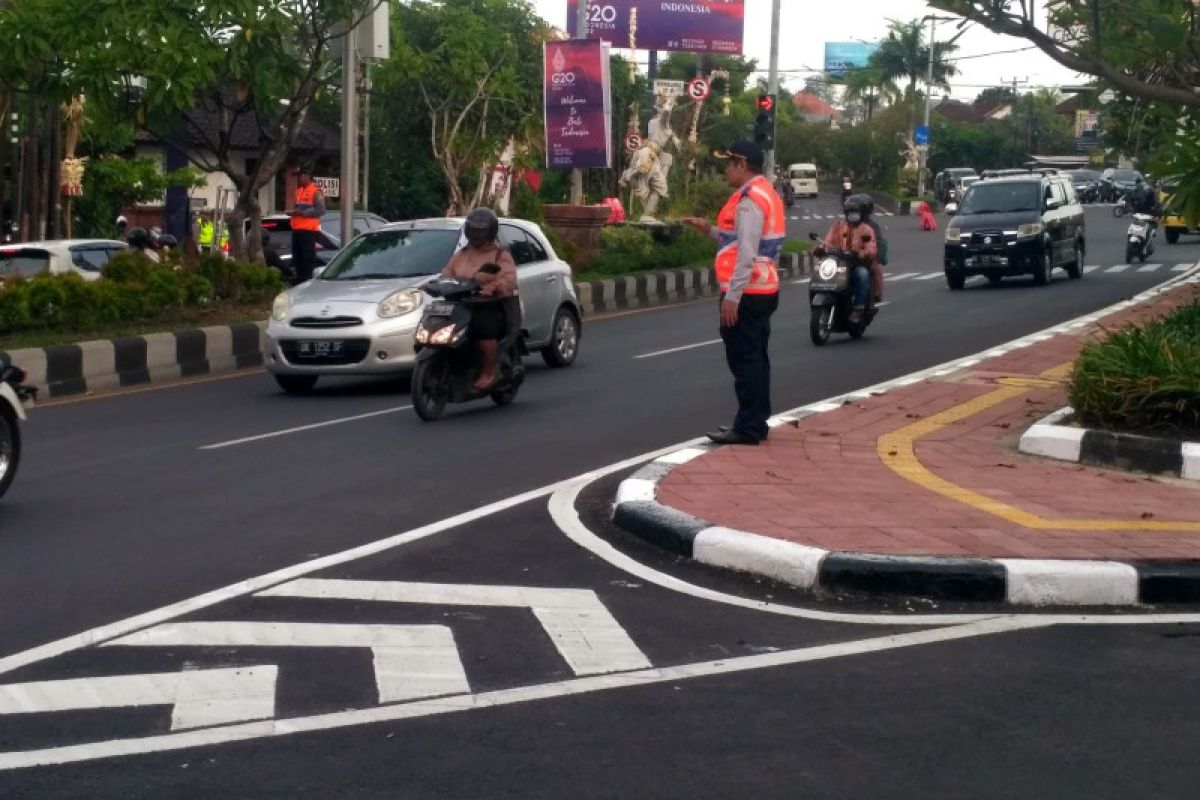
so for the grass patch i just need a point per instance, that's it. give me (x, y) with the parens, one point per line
(1143, 378)
(177, 321)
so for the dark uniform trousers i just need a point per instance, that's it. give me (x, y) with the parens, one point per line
(304, 254)
(746, 345)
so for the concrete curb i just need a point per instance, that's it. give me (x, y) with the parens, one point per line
(1018, 582)
(72, 369)
(1127, 451)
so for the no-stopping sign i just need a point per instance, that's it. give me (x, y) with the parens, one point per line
(697, 89)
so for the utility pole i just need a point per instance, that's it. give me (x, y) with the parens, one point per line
(773, 84)
(581, 32)
(366, 135)
(349, 177)
(923, 150)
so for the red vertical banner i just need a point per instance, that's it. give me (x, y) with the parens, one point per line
(577, 108)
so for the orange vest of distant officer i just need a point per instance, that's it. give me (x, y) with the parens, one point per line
(306, 200)
(765, 278)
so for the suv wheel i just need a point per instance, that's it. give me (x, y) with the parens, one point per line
(955, 279)
(1075, 268)
(10, 447)
(1042, 276)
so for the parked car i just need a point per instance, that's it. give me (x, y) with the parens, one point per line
(1086, 183)
(804, 177)
(358, 316)
(954, 178)
(83, 257)
(1030, 224)
(279, 225)
(1123, 182)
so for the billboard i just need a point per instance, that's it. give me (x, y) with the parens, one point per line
(577, 108)
(690, 26)
(841, 57)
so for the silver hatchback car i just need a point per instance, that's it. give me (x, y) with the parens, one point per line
(359, 315)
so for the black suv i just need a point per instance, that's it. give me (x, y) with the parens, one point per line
(1016, 226)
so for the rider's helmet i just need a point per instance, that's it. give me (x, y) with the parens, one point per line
(481, 227)
(854, 209)
(140, 238)
(167, 240)
(866, 202)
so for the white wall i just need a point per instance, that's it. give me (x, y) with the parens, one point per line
(206, 195)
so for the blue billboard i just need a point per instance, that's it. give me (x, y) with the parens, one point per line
(841, 57)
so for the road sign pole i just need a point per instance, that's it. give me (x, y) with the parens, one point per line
(581, 32)
(922, 157)
(773, 82)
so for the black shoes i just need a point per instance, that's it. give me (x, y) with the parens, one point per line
(727, 436)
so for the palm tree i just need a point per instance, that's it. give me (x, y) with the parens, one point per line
(904, 54)
(869, 86)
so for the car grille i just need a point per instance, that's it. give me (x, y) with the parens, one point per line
(326, 322)
(979, 243)
(353, 351)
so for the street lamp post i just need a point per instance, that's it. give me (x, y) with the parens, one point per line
(923, 149)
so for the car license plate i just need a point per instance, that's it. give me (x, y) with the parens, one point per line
(987, 261)
(319, 348)
(440, 307)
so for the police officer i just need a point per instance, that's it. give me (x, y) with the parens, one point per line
(306, 222)
(205, 232)
(750, 231)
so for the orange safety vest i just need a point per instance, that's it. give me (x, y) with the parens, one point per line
(306, 196)
(765, 278)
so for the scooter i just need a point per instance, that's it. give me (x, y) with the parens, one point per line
(1140, 238)
(952, 202)
(1121, 207)
(14, 397)
(830, 297)
(447, 358)
(847, 190)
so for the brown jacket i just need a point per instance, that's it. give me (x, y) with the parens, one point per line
(466, 263)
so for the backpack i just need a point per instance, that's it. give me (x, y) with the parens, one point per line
(881, 243)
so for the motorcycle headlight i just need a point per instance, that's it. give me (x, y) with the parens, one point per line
(1030, 229)
(443, 335)
(397, 304)
(827, 269)
(953, 235)
(281, 307)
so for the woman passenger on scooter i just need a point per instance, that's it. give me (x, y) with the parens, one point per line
(479, 261)
(852, 234)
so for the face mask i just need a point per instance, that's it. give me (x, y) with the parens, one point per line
(854, 219)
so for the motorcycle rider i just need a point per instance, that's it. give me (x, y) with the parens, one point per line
(868, 212)
(854, 235)
(478, 261)
(847, 187)
(1144, 200)
(140, 241)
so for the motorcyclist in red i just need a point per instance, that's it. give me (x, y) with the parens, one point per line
(852, 234)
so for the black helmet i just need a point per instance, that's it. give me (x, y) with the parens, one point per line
(866, 202)
(140, 238)
(481, 227)
(853, 206)
(167, 240)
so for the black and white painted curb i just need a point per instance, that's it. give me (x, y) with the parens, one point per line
(1015, 581)
(73, 369)
(1159, 456)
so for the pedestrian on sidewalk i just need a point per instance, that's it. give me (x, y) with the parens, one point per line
(750, 231)
(306, 215)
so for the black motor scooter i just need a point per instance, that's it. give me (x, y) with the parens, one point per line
(448, 359)
(831, 297)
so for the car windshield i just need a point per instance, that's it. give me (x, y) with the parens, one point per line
(804, 174)
(1127, 175)
(393, 254)
(1001, 198)
(1084, 175)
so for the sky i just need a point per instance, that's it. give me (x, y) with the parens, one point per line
(805, 26)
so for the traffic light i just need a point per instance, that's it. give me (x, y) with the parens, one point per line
(764, 122)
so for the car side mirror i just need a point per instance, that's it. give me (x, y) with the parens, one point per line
(1052, 204)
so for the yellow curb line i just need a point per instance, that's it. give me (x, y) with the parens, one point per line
(898, 451)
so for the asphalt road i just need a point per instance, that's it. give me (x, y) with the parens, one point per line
(129, 503)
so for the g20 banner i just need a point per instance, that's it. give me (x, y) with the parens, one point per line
(577, 106)
(843, 57)
(691, 26)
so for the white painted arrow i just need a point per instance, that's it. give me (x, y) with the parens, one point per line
(411, 661)
(587, 636)
(200, 697)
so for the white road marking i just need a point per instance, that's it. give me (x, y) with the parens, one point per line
(904, 275)
(1182, 267)
(1118, 268)
(299, 429)
(930, 276)
(1091, 268)
(587, 636)
(1150, 268)
(200, 698)
(506, 697)
(411, 661)
(686, 346)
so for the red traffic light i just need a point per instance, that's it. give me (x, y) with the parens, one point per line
(765, 102)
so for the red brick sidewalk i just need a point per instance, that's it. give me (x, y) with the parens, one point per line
(826, 481)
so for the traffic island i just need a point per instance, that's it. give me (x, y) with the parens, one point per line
(918, 488)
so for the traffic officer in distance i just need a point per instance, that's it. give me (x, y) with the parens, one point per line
(306, 222)
(749, 232)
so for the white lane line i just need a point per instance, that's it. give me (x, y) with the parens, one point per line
(1150, 268)
(411, 661)
(929, 276)
(903, 276)
(506, 697)
(587, 636)
(199, 698)
(1090, 268)
(299, 429)
(1182, 267)
(1118, 268)
(686, 346)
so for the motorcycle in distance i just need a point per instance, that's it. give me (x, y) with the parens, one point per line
(448, 359)
(1121, 207)
(786, 193)
(13, 399)
(952, 202)
(1139, 239)
(847, 189)
(830, 297)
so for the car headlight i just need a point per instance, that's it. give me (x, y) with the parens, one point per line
(1030, 229)
(953, 235)
(281, 307)
(827, 269)
(397, 304)
(443, 335)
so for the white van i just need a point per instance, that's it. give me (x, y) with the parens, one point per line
(804, 179)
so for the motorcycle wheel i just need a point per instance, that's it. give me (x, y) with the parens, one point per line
(856, 331)
(503, 397)
(10, 448)
(820, 324)
(429, 388)
(1118, 211)
(1130, 253)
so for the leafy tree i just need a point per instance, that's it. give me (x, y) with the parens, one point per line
(869, 87)
(114, 182)
(904, 55)
(994, 94)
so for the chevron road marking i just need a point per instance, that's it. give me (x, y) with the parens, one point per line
(587, 636)
(201, 698)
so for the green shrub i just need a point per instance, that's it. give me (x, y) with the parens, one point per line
(222, 274)
(705, 198)
(629, 249)
(258, 283)
(1143, 378)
